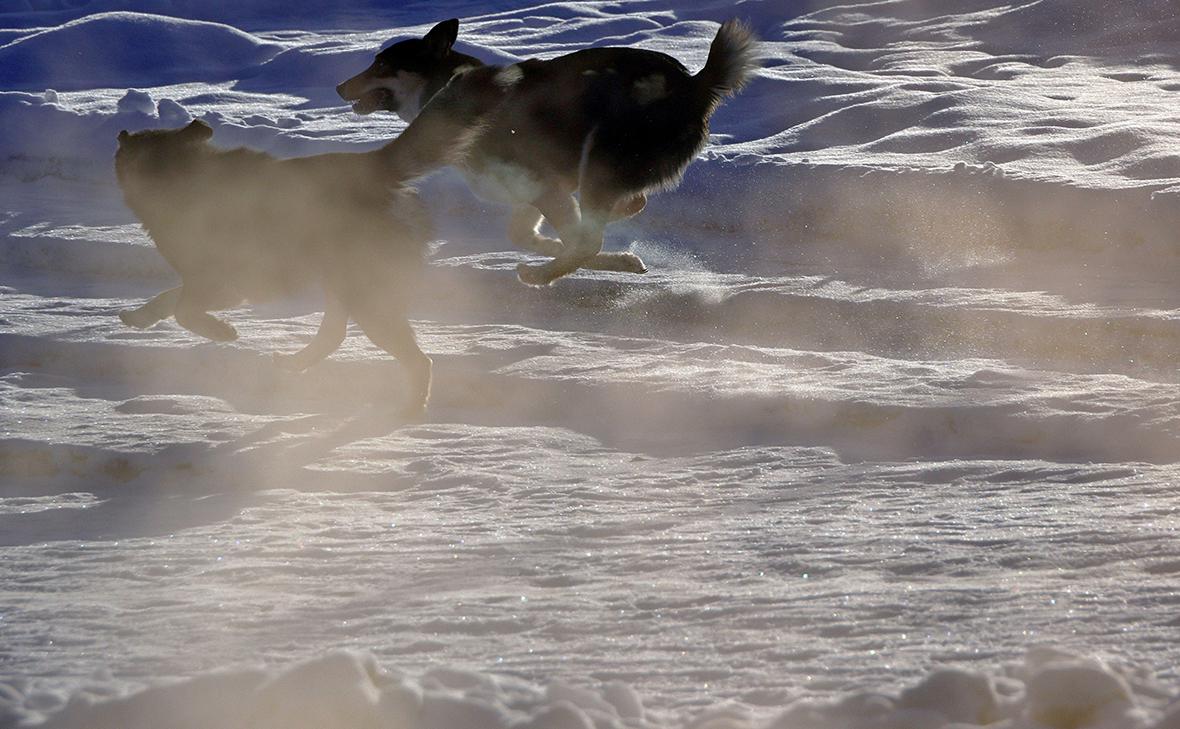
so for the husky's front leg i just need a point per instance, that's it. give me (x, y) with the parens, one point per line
(580, 248)
(333, 329)
(160, 307)
(522, 231)
(581, 234)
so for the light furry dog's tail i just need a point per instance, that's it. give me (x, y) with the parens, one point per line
(424, 147)
(732, 58)
(441, 135)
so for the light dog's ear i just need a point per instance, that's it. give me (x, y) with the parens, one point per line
(197, 131)
(441, 37)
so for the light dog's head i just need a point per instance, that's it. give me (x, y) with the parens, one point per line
(404, 76)
(159, 151)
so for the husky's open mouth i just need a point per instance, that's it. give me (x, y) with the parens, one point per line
(378, 99)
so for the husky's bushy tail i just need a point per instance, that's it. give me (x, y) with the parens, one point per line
(732, 58)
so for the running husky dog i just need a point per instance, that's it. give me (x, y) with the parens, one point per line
(610, 123)
(239, 224)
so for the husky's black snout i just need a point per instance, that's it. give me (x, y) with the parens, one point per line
(347, 90)
(366, 97)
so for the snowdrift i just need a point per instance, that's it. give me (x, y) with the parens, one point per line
(128, 49)
(1050, 689)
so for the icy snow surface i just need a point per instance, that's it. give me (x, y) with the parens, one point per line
(887, 437)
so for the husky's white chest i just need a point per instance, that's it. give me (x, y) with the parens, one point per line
(498, 181)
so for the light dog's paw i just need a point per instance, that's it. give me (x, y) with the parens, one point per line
(412, 412)
(533, 275)
(137, 319)
(219, 331)
(288, 362)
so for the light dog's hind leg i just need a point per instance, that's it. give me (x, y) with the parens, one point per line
(333, 329)
(160, 307)
(391, 331)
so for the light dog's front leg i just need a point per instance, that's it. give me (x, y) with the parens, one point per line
(192, 313)
(160, 307)
(333, 329)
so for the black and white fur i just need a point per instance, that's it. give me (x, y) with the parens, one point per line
(611, 124)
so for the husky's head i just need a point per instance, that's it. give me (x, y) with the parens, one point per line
(156, 151)
(399, 76)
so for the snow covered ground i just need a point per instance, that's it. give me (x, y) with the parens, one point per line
(888, 437)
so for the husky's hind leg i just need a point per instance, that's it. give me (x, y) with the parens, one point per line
(628, 207)
(333, 328)
(160, 307)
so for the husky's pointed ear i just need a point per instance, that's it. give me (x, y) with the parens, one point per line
(124, 135)
(198, 131)
(442, 36)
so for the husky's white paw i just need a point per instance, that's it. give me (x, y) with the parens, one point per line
(534, 275)
(627, 263)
